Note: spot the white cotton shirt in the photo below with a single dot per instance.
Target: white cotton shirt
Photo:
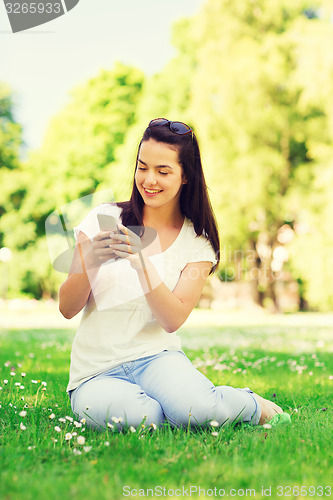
(117, 324)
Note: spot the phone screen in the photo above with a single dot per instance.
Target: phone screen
(107, 222)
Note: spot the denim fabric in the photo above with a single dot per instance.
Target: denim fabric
(165, 386)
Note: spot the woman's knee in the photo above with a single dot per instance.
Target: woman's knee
(123, 408)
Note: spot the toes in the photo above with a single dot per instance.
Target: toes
(277, 408)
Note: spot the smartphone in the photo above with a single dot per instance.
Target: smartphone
(107, 223)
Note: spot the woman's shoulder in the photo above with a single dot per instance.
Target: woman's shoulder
(198, 246)
(107, 209)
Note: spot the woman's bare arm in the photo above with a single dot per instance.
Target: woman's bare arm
(88, 255)
(171, 309)
(74, 292)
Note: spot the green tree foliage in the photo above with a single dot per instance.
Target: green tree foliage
(263, 135)
(10, 144)
(11, 193)
(312, 247)
(10, 131)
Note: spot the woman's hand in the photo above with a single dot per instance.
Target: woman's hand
(101, 250)
(128, 246)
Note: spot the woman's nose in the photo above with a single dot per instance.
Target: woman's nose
(150, 179)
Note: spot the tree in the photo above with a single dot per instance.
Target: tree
(258, 130)
(10, 169)
(10, 144)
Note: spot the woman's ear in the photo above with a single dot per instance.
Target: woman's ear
(184, 181)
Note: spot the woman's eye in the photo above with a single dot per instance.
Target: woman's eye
(143, 169)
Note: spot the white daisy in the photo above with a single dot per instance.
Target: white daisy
(81, 440)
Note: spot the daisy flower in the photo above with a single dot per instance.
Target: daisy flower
(81, 440)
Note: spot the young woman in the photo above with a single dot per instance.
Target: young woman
(127, 364)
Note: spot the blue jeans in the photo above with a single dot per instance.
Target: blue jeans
(165, 386)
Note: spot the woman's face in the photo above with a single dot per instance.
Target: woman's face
(159, 176)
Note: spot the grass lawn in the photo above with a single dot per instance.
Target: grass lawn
(288, 358)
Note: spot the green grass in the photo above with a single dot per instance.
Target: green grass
(286, 358)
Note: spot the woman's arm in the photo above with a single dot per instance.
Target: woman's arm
(171, 309)
(74, 292)
(88, 255)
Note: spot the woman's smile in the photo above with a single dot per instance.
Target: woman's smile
(151, 192)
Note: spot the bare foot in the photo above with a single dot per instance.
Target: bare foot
(268, 409)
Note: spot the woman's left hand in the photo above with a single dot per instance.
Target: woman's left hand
(128, 246)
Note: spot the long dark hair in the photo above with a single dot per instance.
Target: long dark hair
(194, 199)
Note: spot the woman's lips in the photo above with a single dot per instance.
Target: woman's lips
(151, 194)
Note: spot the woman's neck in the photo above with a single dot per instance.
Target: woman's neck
(159, 218)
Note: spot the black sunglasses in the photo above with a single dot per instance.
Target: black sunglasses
(179, 128)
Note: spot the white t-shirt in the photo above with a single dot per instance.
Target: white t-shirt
(117, 325)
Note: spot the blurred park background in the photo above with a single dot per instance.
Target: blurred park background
(255, 80)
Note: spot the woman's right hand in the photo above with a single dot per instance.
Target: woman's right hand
(88, 256)
(100, 250)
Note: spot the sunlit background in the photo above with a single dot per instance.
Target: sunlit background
(255, 80)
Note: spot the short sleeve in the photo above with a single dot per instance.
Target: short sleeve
(202, 251)
(90, 226)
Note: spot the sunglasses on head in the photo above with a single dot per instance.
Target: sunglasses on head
(179, 128)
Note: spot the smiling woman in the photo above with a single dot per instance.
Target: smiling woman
(127, 364)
